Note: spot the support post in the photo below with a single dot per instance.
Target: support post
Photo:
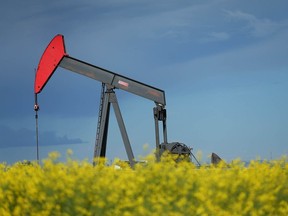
(101, 138)
(157, 137)
(164, 126)
(122, 128)
(159, 115)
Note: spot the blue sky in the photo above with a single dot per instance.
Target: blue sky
(222, 63)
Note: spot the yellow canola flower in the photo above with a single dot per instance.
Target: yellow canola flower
(164, 188)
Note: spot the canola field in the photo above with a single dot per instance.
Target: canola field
(165, 188)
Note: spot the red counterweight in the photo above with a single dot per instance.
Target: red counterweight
(49, 61)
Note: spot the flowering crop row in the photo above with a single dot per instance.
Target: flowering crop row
(166, 188)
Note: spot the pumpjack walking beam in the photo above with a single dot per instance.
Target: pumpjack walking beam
(55, 55)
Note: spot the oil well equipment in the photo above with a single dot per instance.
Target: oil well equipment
(55, 56)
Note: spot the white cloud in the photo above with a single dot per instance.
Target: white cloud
(265, 57)
(256, 27)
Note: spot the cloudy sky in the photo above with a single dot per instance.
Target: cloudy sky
(222, 63)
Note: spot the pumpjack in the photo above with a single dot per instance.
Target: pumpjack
(55, 56)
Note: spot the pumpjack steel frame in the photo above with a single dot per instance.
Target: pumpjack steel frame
(55, 56)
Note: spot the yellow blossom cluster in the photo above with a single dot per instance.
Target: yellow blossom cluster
(152, 188)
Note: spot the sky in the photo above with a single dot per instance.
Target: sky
(222, 64)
